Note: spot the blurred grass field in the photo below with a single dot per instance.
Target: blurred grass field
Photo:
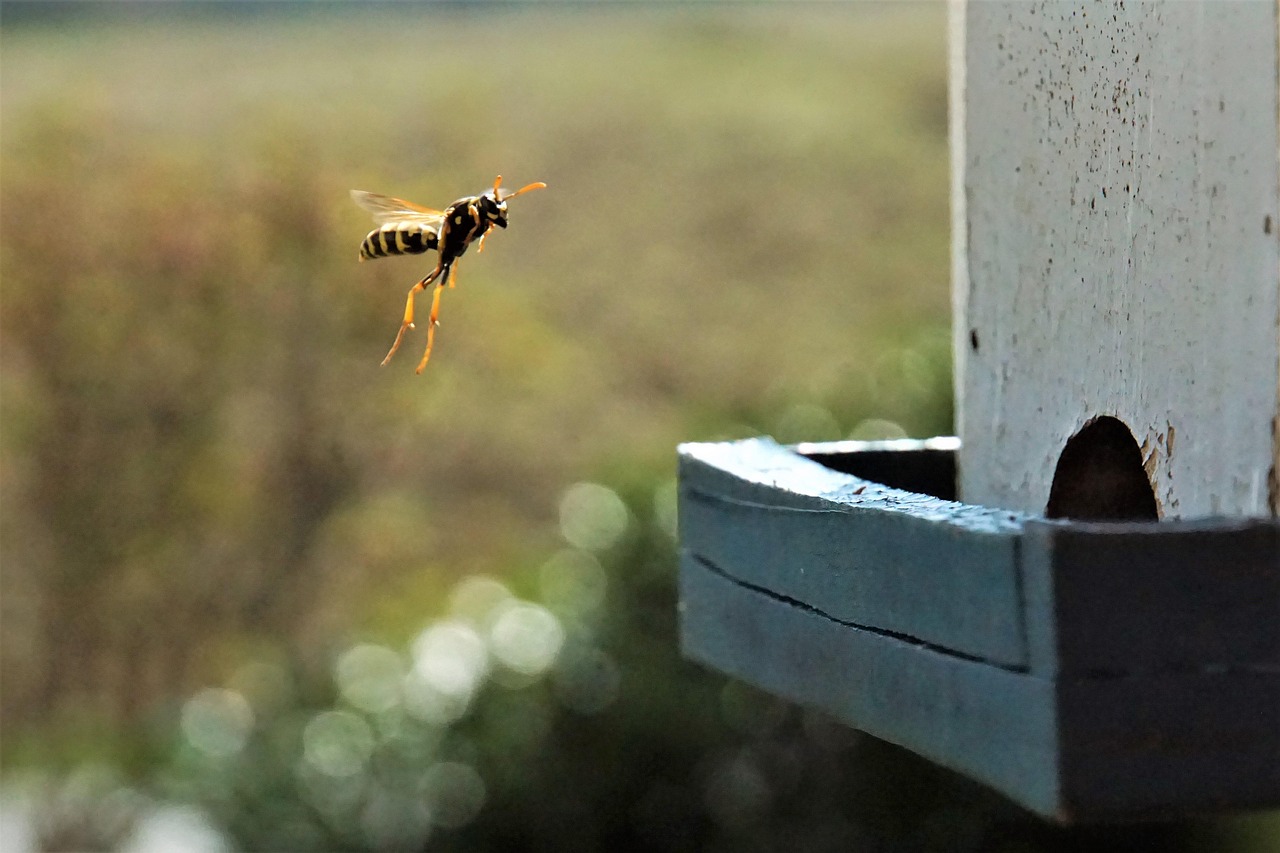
(744, 231)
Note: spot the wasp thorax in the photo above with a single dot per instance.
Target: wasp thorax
(494, 211)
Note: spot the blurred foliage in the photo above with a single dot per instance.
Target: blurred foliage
(611, 742)
(553, 712)
(207, 480)
(201, 454)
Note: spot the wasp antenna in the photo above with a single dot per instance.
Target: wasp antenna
(497, 182)
(537, 185)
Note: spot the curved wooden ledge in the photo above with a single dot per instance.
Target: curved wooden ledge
(1088, 671)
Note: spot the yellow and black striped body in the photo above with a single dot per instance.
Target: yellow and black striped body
(399, 238)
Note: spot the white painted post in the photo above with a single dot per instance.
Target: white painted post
(1116, 244)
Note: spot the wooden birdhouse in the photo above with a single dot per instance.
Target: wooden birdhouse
(1078, 601)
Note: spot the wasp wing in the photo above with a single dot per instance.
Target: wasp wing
(386, 209)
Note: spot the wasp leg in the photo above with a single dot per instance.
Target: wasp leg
(407, 324)
(487, 232)
(431, 326)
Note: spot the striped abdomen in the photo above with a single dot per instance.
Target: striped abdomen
(399, 238)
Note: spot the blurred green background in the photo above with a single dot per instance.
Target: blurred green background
(259, 593)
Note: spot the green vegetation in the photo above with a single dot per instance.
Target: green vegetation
(202, 454)
(213, 496)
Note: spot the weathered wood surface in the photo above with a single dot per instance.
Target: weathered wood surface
(1131, 599)
(1167, 743)
(1115, 671)
(749, 508)
(926, 466)
(1116, 244)
(944, 707)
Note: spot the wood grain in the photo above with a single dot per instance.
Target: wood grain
(865, 554)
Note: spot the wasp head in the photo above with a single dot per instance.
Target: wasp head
(493, 208)
(493, 203)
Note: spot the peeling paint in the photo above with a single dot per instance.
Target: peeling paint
(1109, 173)
(1149, 459)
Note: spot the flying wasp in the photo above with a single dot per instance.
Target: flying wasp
(405, 228)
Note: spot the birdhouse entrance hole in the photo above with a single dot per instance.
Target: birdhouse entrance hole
(1100, 476)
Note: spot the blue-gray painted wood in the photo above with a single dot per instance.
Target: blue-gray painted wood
(1168, 743)
(1136, 598)
(1087, 671)
(955, 586)
(946, 708)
